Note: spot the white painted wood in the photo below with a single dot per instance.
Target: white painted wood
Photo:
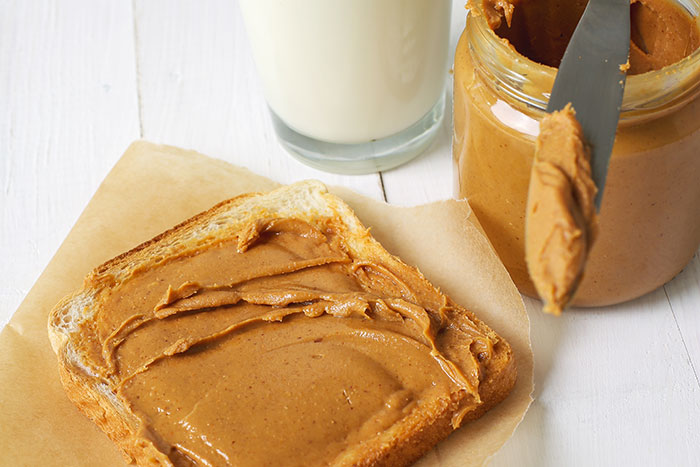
(67, 112)
(199, 89)
(683, 293)
(615, 386)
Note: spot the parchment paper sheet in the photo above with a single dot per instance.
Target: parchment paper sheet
(154, 187)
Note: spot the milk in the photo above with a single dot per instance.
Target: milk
(350, 71)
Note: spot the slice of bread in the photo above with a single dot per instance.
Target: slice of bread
(93, 389)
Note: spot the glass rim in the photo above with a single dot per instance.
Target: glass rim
(529, 82)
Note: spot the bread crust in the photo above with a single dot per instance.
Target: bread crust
(402, 444)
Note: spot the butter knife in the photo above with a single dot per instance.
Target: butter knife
(592, 77)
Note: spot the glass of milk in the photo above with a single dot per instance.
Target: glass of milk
(353, 86)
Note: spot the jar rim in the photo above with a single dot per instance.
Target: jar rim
(530, 82)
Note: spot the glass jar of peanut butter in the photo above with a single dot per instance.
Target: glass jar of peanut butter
(649, 223)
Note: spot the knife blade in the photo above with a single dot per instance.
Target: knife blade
(592, 78)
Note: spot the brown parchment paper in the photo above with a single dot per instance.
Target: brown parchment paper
(154, 187)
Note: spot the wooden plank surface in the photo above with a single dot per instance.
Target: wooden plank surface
(614, 387)
(68, 109)
(683, 294)
(80, 79)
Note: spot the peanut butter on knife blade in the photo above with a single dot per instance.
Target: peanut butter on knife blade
(561, 218)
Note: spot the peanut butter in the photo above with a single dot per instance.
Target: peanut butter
(278, 348)
(661, 33)
(561, 218)
(649, 223)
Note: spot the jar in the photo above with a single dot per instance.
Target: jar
(649, 221)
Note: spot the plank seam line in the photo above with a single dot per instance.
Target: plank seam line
(675, 320)
(137, 67)
(381, 184)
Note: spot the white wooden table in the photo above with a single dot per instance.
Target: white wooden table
(81, 79)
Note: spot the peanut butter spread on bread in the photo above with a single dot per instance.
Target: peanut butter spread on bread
(278, 346)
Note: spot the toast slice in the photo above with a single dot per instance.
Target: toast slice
(273, 329)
